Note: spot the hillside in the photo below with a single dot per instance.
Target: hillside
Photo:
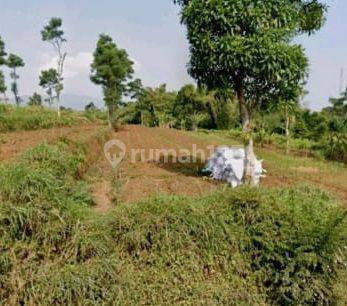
(76, 231)
(136, 181)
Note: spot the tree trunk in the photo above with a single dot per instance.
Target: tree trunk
(287, 131)
(112, 116)
(249, 165)
(213, 114)
(58, 104)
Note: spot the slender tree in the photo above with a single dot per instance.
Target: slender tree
(3, 54)
(246, 46)
(53, 34)
(112, 69)
(49, 80)
(14, 62)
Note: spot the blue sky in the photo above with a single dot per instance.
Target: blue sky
(151, 33)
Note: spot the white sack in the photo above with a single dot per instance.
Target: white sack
(227, 164)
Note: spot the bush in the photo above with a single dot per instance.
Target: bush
(336, 147)
(291, 240)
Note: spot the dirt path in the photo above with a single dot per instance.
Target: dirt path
(14, 143)
(141, 176)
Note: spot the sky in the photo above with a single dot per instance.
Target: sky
(151, 33)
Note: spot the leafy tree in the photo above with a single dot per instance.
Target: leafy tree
(35, 100)
(14, 62)
(112, 69)
(338, 106)
(246, 46)
(3, 54)
(49, 80)
(189, 107)
(156, 106)
(135, 89)
(53, 34)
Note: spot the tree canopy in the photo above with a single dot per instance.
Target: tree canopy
(112, 69)
(2, 52)
(35, 100)
(49, 80)
(14, 62)
(246, 46)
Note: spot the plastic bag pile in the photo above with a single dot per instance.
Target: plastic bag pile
(228, 164)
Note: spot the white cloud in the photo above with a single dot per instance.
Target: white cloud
(75, 65)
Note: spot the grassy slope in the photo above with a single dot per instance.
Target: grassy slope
(33, 118)
(232, 247)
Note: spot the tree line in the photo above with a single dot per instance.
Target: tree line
(50, 80)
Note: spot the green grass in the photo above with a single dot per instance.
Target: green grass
(34, 118)
(328, 175)
(235, 247)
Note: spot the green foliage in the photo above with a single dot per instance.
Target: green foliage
(49, 80)
(2, 52)
(190, 108)
(35, 100)
(336, 147)
(34, 118)
(52, 32)
(3, 87)
(245, 45)
(112, 69)
(14, 62)
(291, 242)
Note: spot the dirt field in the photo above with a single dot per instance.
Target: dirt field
(135, 181)
(132, 181)
(14, 143)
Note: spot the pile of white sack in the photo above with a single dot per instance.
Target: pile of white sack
(228, 164)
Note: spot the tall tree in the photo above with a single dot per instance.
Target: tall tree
(246, 46)
(53, 34)
(49, 80)
(14, 62)
(112, 69)
(3, 54)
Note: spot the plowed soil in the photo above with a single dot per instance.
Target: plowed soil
(135, 179)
